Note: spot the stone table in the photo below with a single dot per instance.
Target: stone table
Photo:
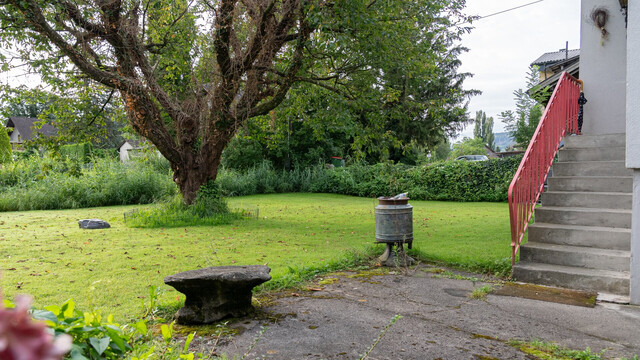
(216, 292)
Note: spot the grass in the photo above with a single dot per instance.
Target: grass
(551, 351)
(45, 254)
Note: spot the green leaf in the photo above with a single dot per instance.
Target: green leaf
(167, 332)
(44, 315)
(54, 309)
(100, 344)
(117, 339)
(77, 353)
(67, 308)
(141, 327)
(187, 342)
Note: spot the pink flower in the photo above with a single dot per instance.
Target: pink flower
(22, 338)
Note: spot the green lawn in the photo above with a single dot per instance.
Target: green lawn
(46, 255)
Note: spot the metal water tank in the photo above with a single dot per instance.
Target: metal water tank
(394, 221)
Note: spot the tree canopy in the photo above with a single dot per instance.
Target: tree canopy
(484, 129)
(522, 122)
(191, 73)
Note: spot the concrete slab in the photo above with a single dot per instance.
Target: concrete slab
(439, 320)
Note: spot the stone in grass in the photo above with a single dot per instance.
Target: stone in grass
(216, 292)
(93, 224)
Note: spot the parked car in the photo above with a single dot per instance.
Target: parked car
(473, 158)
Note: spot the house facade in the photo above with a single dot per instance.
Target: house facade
(586, 233)
(23, 129)
(609, 59)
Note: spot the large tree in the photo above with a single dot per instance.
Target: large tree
(191, 73)
(484, 129)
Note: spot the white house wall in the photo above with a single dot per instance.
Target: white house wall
(603, 69)
(124, 151)
(633, 140)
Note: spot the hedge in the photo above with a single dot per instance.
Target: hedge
(446, 181)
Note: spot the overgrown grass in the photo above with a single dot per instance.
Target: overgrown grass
(45, 254)
(54, 183)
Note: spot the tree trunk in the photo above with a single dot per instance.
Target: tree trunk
(195, 170)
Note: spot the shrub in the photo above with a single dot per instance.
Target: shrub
(445, 181)
(209, 208)
(78, 152)
(52, 183)
(5, 147)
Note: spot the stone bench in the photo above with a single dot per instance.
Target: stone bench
(216, 292)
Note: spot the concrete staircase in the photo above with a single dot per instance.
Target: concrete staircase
(582, 232)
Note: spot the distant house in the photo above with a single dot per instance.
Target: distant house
(23, 129)
(129, 148)
(552, 64)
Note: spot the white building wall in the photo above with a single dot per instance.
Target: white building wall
(603, 69)
(633, 140)
(124, 151)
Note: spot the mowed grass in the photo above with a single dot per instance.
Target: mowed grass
(46, 255)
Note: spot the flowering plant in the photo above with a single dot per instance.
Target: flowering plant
(23, 338)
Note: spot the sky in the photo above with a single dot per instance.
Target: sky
(502, 47)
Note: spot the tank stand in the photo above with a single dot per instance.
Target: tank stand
(397, 257)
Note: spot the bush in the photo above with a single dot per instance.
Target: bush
(5, 147)
(78, 152)
(446, 181)
(52, 183)
(209, 208)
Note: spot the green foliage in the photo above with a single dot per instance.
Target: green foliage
(209, 209)
(81, 111)
(468, 146)
(5, 147)
(79, 152)
(484, 129)
(93, 338)
(551, 351)
(446, 181)
(49, 182)
(523, 122)
(480, 293)
(380, 75)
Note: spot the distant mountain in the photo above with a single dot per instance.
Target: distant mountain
(503, 140)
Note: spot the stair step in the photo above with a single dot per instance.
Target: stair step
(578, 256)
(615, 218)
(580, 235)
(592, 154)
(614, 282)
(623, 184)
(595, 141)
(605, 200)
(591, 168)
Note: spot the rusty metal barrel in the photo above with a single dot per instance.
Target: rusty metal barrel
(394, 221)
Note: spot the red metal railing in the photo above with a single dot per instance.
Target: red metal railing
(559, 118)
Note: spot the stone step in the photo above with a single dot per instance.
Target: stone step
(621, 184)
(591, 168)
(580, 235)
(614, 282)
(584, 216)
(604, 200)
(578, 256)
(592, 154)
(595, 141)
